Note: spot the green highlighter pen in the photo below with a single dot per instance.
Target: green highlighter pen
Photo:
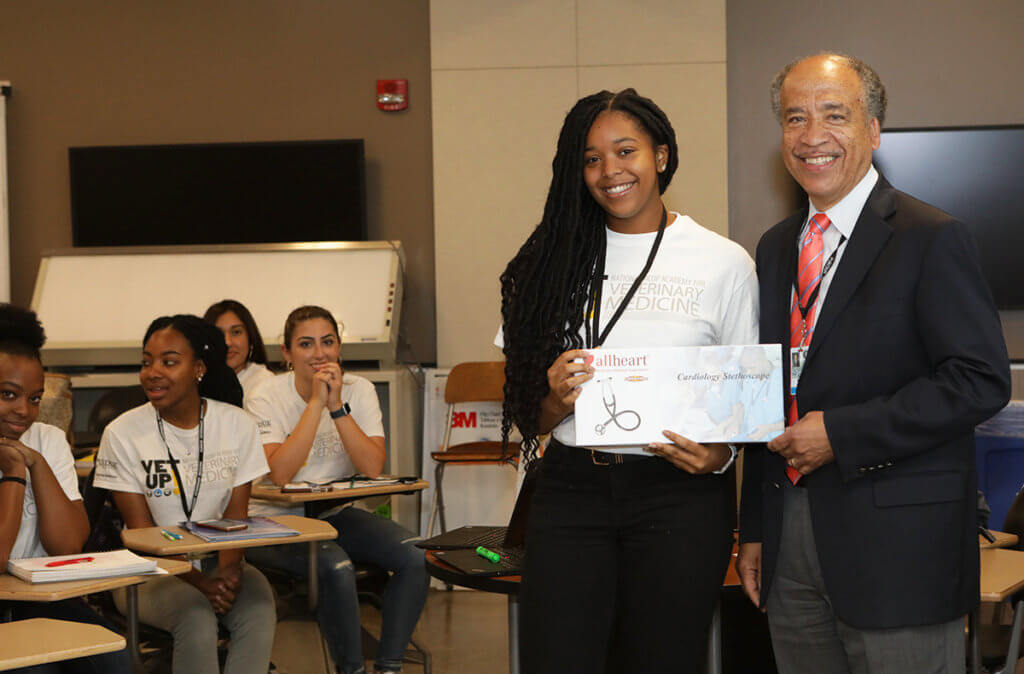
(488, 554)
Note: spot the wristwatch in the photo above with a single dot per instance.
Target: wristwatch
(344, 411)
(728, 464)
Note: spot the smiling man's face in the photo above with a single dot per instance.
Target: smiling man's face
(827, 136)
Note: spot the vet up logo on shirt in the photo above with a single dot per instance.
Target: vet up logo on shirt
(159, 477)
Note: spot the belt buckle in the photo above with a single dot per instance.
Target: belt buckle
(614, 458)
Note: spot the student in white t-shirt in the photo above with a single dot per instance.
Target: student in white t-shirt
(626, 547)
(246, 355)
(318, 423)
(190, 453)
(41, 511)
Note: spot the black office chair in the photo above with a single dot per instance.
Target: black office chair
(112, 404)
(155, 645)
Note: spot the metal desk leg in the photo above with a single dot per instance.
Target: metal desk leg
(1013, 651)
(314, 577)
(132, 637)
(715, 642)
(972, 631)
(513, 633)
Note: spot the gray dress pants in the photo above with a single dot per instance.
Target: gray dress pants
(808, 637)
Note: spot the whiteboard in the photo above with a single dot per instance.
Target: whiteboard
(96, 303)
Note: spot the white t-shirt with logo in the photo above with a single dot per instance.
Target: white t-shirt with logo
(278, 407)
(53, 445)
(133, 458)
(252, 375)
(701, 290)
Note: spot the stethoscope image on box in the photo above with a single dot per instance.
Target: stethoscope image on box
(627, 420)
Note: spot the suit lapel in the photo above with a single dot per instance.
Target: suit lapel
(869, 236)
(785, 273)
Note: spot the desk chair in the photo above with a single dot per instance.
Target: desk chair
(468, 383)
(105, 526)
(156, 646)
(112, 404)
(1001, 644)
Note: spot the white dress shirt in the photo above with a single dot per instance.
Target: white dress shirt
(844, 217)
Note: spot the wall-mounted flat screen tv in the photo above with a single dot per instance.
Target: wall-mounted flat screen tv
(267, 192)
(977, 175)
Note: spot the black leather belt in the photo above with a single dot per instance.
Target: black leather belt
(596, 457)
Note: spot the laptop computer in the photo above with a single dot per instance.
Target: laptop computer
(509, 542)
(466, 537)
(470, 563)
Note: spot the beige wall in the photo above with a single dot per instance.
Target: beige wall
(943, 62)
(131, 72)
(504, 75)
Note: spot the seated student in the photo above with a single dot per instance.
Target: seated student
(246, 355)
(319, 423)
(41, 512)
(190, 454)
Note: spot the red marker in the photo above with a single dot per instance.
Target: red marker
(76, 560)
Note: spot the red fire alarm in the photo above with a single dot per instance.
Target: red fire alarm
(392, 95)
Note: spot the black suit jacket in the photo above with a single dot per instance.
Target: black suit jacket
(907, 357)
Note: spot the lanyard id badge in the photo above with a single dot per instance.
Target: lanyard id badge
(797, 357)
(594, 336)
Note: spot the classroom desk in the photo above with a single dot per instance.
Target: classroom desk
(1003, 540)
(152, 541)
(16, 589)
(272, 492)
(38, 641)
(1002, 575)
(507, 585)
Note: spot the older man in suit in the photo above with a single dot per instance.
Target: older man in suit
(858, 526)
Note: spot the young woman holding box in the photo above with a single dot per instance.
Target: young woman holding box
(626, 548)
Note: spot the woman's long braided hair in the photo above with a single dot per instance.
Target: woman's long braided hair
(544, 289)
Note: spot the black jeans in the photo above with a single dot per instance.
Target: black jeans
(623, 565)
(74, 610)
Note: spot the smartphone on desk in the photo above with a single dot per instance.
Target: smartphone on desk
(223, 524)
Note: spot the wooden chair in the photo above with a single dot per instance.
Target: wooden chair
(468, 383)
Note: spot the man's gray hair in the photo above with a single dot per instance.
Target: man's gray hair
(873, 92)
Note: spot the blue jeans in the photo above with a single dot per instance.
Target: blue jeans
(362, 537)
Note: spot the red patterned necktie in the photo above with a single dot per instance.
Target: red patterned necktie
(808, 278)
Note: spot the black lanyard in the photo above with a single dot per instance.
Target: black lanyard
(598, 285)
(174, 464)
(825, 268)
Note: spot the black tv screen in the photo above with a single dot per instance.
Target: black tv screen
(218, 193)
(976, 175)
